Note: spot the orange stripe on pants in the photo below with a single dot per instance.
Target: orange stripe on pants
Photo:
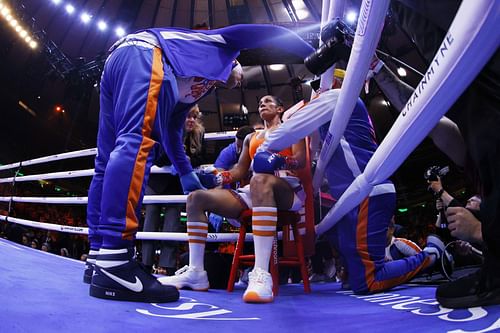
(155, 84)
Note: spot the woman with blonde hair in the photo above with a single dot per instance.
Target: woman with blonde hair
(194, 133)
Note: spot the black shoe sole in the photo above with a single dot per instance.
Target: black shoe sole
(126, 295)
(490, 298)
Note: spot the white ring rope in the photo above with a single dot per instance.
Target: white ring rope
(330, 9)
(87, 172)
(462, 54)
(148, 199)
(370, 24)
(93, 151)
(170, 236)
(51, 158)
(70, 174)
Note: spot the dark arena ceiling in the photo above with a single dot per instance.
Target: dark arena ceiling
(64, 70)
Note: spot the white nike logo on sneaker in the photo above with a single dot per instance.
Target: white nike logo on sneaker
(136, 286)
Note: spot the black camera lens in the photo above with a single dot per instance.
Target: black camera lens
(327, 55)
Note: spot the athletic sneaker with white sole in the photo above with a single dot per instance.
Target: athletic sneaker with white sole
(187, 277)
(118, 276)
(260, 287)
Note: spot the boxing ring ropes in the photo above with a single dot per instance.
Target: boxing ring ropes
(148, 199)
(464, 51)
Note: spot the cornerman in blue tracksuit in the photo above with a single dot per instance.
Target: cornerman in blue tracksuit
(150, 80)
(360, 236)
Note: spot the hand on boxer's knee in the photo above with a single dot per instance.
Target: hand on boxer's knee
(190, 182)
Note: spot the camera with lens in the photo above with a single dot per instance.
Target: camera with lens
(432, 173)
(337, 37)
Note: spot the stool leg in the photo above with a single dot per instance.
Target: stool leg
(236, 257)
(273, 267)
(302, 260)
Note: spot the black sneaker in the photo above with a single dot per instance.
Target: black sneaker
(89, 266)
(129, 282)
(477, 289)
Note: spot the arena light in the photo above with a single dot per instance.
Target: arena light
(5, 11)
(56, 2)
(120, 31)
(16, 25)
(70, 9)
(302, 14)
(102, 25)
(85, 17)
(351, 17)
(401, 71)
(300, 9)
(276, 67)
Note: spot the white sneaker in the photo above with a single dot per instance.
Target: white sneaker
(187, 277)
(260, 287)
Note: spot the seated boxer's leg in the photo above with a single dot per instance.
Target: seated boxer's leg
(269, 194)
(219, 201)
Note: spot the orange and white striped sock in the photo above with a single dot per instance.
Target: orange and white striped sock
(197, 236)
(264, 221)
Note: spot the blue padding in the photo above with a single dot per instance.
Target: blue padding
(40, 292)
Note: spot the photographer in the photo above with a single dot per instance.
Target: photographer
(462, 222)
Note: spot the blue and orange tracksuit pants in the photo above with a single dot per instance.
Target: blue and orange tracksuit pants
(138, 92)
(361, 237)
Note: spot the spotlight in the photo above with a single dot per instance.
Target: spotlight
(351, 17)
(28, 39)
(69, 9)
(14, 23)
(85, 17)
(102, 25)
(33, 44)
(120, 31)
(56, 2)
(401, 71)
(276, 67)
(23, 33)
(301, 13)
(18, 28)
(5, 11)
